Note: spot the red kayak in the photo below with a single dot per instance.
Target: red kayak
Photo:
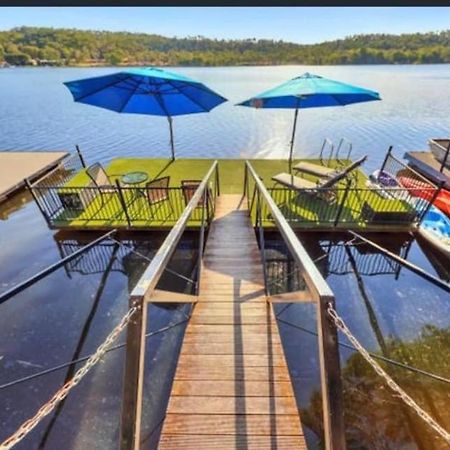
(419, 188)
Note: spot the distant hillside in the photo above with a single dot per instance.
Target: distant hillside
(50, 46)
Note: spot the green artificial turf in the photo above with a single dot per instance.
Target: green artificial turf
(361, 206)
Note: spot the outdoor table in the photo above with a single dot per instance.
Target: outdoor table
(135, 179)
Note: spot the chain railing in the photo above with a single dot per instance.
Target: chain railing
(203, 199)
(340, 324)
(62, 393)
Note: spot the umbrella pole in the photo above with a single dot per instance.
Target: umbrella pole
(172, 145)
(291, 152)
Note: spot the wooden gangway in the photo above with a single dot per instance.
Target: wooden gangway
(232, 387)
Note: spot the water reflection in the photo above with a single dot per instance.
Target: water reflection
(65, 317)
(395, 314)
(13, 204)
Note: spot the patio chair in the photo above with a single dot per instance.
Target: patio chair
(322, 186)
(100, 178)
(158, 192)
(189, 187)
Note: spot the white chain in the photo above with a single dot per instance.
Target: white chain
(48, 407)
(389, 381)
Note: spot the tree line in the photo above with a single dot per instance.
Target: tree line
(71, 47)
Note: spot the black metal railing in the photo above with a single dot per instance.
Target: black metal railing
(344, 206)
(349, 206)
(118, 206)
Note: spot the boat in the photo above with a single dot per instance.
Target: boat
(435, 229)
(428, 166)
(440, 148)
(383, 178)
(419, 188)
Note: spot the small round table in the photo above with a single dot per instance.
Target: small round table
(134, 178)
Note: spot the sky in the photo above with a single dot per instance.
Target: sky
(294, 24)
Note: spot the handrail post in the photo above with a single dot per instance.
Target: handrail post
(201, 245)
(341, 206)
(41, 209)
(130, 428)
(245, 182)
(259, 224)
(80, 155)
(330, 377)
(217, 180)
(122, 201)
(445, 159)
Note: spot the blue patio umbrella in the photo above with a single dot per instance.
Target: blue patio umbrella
(150, 91)
(310, 91)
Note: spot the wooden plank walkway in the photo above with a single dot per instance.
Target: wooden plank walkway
(16, 166)
(232, 388)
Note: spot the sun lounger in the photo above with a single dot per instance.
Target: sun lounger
(315, 169)
(294, 182)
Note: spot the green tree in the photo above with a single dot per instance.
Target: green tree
(17, 59)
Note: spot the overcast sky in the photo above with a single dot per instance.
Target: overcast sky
(295, 24)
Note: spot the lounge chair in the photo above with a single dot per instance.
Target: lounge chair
(158, 191)
(321, 170)
(293, 182)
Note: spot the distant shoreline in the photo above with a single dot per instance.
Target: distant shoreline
(35, 46)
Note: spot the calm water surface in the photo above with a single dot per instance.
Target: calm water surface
(37, 112)
(392, 311)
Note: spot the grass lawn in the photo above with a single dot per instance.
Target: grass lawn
(361, 206)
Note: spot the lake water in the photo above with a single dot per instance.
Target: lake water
(392, 311)
(37, 113)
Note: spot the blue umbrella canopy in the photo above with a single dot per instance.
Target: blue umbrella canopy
(149, 91)
(310, 91)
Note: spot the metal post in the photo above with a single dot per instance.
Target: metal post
(172, 145)
(293, 140)
(341, 206)
(259, 223)
(330, 377)
(245, 181)
(134, 377)
(122, 201)
(83, 163)
(388, 154)
(436, 193)
(201, 245)
(444, 161)
(41, 209)
(217, 180)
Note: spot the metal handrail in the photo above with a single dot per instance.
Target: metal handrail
(321, 292)
(50, 269)
(140, 297)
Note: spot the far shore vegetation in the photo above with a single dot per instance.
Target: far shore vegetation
(69, 47)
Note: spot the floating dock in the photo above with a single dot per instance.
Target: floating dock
(232, 387)
(16, 166)
(72, 200)
(428, 165)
